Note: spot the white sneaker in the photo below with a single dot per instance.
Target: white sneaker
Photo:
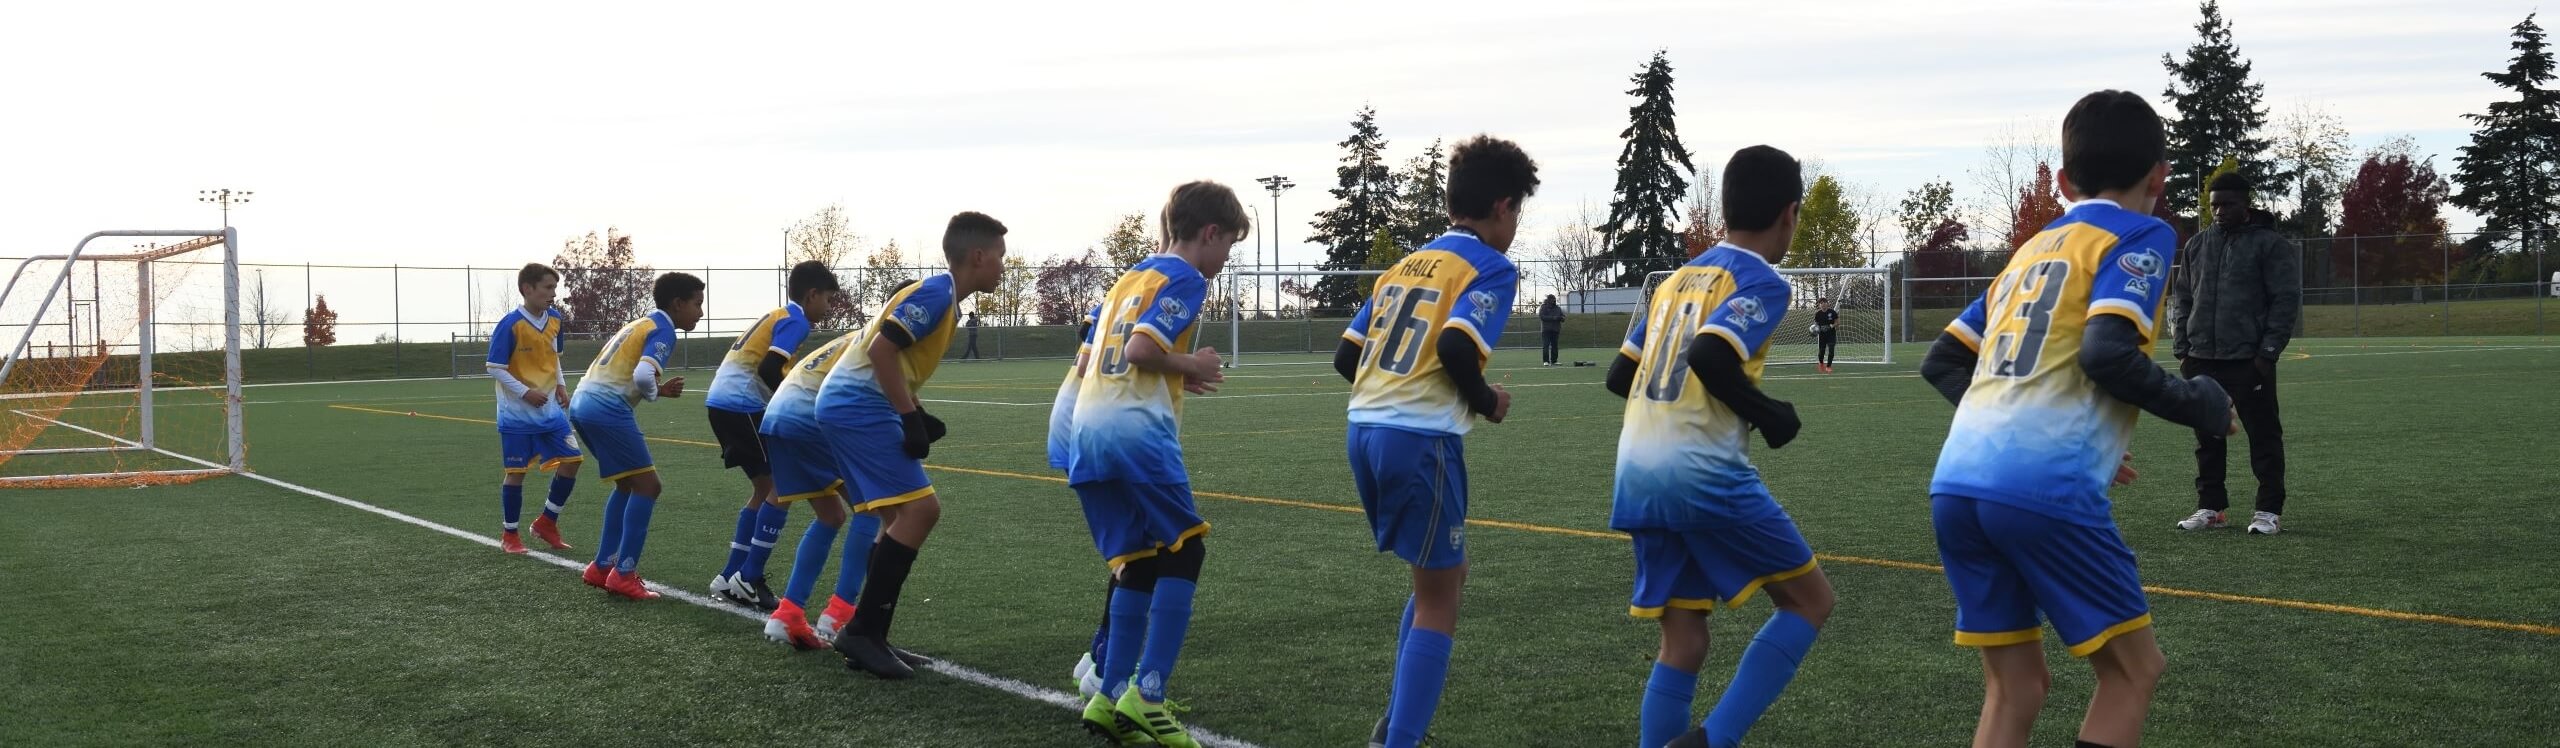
(2204, 519)
(2264, 523)
(1088, 676)
(732, 588)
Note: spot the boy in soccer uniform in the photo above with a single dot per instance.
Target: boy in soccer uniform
(2046, 372)
(533, 427)
(803, 470)
(1706, 530)
(879, 434)
(736, 402)
(1125, 460)
(625, 373)
(1415, 356)
(1062, 411)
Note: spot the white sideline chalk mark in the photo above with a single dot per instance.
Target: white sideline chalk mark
(946, 667)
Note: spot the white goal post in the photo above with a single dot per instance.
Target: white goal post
(38, 386)
(1281, 326)
(1862, 296)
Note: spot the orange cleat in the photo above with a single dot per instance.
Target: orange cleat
(831, 621)
(628, 586)
(790, 625)
(549, 532)
(595, 575)
(509, 543)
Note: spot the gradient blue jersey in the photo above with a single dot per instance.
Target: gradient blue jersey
(1456, 283)
(793, 411)
(528, 348)
(1684, 458)
(735, 386)
(2034, 431)
(1128, 421)
(608, 389)
(926, 313)
(1062, 411)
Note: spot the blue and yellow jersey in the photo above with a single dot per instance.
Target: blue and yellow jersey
(1062, 410)
(2034, 431)
(528, 348)
(607, 388)
(1456, 283)
(1684, 458)
(1127, 420)
(927, 313)
(735, 386)
(793, 411)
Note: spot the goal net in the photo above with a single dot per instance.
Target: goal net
(1862, 296)
(124, 362)
(1280, 316)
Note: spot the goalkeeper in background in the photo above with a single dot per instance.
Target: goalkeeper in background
(1826, 333)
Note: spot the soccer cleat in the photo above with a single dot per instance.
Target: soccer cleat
(628, 586)
(831, 621)
(724, 590)
(1696, 737)
(790, 625)
(1378, 734)
(1109, 724)
(872, 654)
(595, 575)
(2203, 519)
(510, 543)
(1088, 677)
(549, 532)
(1154, 721)
(759, 596)
(2264, 523)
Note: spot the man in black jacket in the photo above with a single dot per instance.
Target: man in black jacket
(2235, 304)
(1550, 329)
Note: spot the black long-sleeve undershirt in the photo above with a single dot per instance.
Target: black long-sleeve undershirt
(770, 370)
(1718, 368)
(1458, 358)
(2111, 355)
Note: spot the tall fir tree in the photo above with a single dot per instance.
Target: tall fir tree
(1422, 202)
(1644, 213)
(2219, 113)
(1365, 195)
(2507, 174)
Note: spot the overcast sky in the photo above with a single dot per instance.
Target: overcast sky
(485, 133)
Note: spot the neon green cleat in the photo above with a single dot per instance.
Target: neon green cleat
(1106, 723)
(1155, 722)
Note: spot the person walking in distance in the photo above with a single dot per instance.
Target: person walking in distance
(2235, 303)
(1550, 329)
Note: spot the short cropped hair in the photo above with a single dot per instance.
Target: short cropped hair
(968, 231)
(2233, 181)
(1759, 183)
(1483, 170)
(1202, 204)
(2111, 140)
(675, 287)
(533, 273)
(812, 275)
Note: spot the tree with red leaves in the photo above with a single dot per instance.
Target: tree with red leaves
(320, 324)
(1068, 289)
(2394, 208)
(2039, 205)
(602, 284)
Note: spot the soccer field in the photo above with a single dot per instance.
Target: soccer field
(2410, 600)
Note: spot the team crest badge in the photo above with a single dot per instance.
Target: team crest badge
(912, 316)
(1172, 307)
(2143, 264)
(1745, 311)
(1484, 303)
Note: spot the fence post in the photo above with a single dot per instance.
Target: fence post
(395, 321)
(2355, 280)
(2444, 284)
(310, 353)
(2540, 291)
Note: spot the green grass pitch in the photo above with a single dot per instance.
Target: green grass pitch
(2409, 602)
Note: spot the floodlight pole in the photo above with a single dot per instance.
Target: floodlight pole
(225, 198)
(1276, 184)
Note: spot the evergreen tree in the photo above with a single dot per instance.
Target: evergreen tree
(1366, 195)
(1644, 212)
(2507, 173)
(1422, 207)
(2219, 114)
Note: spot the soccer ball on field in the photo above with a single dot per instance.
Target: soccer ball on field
(1813, 329)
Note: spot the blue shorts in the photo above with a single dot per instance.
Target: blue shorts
(619, 449)
(2007, 564)
(872, 458)
(1131, 521)
(549, 450)
(1696, 569)
(802, 469)
(1413, 487)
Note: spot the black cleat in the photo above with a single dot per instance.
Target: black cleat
(1378, 734)
(872, 655)
(1696, 737)
(912, 659)
(758, 594)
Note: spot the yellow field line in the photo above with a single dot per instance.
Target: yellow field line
(2393, 615)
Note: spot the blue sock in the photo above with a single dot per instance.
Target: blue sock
(609, 544)
(768, 531)
(1767, 665)
(1404, 629)
(809, 562)
(510, 504)
(559, 499)
(1422, 668)
(857, 556)
(635, 531)
(1667, 699)
(1168, 622)
(738, 541)
(1128, 634)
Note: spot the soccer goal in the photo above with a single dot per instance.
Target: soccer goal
(1276, 317)
(125, 366)
(1863, 296)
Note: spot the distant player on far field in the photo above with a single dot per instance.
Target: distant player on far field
(2046, 372)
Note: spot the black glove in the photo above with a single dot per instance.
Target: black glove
(933, 428)
(1786, 426)
(918, 440)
